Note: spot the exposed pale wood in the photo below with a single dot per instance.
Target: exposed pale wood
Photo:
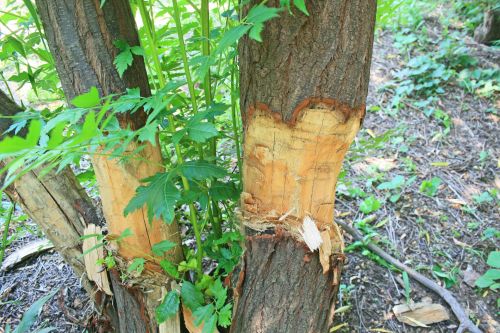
(420, 314)
(118, 183)
(295, 168)
(95, 272)
(25, 252)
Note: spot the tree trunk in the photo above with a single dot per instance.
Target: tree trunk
(303, 92)
(80, 35)
(62, 209)
(489, 30)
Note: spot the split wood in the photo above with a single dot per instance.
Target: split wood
(463, 318)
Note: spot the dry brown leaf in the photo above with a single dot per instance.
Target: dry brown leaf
(470, 276)
(420, 314)
(457, 122)
(382, 164)
(457, 202)
(470, 191)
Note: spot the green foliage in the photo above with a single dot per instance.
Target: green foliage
(168, 307)
(31, 315)
(369, 205)
(160, 196)
(450, 278)
(126, 56)
(430, 187)
(491, 278)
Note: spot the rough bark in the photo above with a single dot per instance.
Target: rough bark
(303, 92)
(489, 30)
(80, 35)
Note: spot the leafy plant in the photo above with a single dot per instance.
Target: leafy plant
(491, 278)
(31, 315)
(430, 187)
(369, 205)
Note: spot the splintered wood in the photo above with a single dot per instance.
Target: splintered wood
(294, 168)
(94, 252)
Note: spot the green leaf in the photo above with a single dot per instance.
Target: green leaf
(137, 50)
(137, 265)
(148, 133)
(123, 60)
(202, 313)
(201, 170)
(494, 259)
(32, 313)
(12, 45)
(261, 14)
(87, 100)
(220, 191)
(369, 205)
(56, 136)
(160, 196)
(201, 131)
(169, 268)
(209, 326)
(15, 144)
(218, 291)
(191, 297)
(168, 308)
(406, 281)
(430, 187)
(225, 315)
(231, 37)
(301, 5)
(255, 32)
(160, 248)
(488, 278)
(395, 183)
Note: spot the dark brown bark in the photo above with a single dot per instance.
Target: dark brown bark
(303, 59)
(489, 30)
(303, 92)
(276, 297)
(81, 37)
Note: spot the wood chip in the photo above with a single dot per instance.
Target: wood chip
(420, 314)
(95, 272)
(26, 251)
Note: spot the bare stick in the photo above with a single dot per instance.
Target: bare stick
(463, 318)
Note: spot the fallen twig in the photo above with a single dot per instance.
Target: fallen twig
(463, 318)
(33, 248)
